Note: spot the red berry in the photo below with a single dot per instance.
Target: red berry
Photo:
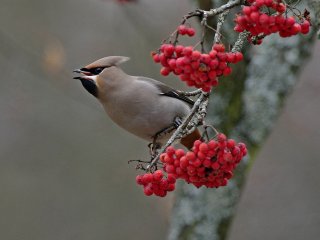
(187, 51)
(238, 28)
(254, 16)
(268, 3)
(172, 63)
(165, 71)
(246, 10)
(227, 71)
(238, 56)
(157, 175)
(190, 156)
(296, 28)
(162, 157)
(156, 58)
(203, 147)
(280, 20)
(281, 8)
(305, 27)
(171, 187)
(231, 143)
(212, 75)
(212, 144)
(215, 165)
(139, 180)
(213, 53)
(259, 3)
(207, 163)
(182, 29)
(241, 20)
(171, 178)
(219, 47)
(195, 65)
(195, 55)
(170, 169)
(168, 50)
(178, 49)
(191, 32)
(290, 21)
(222, 137)
(231, 57)
(148, 190)
(222, 65)
(222, 56)
(147, 178)
(163, 184)
(197, 163)
(264, 19)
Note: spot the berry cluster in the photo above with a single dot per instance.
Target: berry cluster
(185, 30)
(197, 69)
(209, 164)
(261, 24)
(155, 183)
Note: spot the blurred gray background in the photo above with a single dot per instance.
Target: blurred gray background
(63, 163)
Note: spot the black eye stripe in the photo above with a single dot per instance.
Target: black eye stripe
(94, 71)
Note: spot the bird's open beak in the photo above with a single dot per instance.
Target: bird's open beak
(83, 71)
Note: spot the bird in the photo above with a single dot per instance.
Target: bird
(143, 106)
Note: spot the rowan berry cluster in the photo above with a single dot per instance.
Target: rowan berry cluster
(156, 183)
(261, 23)
(209, 164)
(185, 30)
(197, 69)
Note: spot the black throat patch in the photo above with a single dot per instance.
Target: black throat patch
(90, 86)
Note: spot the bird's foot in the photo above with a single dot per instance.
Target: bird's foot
(153, 148)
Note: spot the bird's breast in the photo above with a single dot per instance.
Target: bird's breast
(143, 111)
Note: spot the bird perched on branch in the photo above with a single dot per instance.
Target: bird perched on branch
(143, 106)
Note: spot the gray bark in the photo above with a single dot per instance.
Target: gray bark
(244, 108)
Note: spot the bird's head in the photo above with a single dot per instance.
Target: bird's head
(92, 71)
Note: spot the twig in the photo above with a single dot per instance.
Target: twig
(221, 19)
(223, 8)
(184, 19)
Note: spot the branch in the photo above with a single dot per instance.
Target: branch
(223, 8)
(240, 41)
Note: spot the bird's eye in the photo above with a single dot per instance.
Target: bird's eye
(97, 71)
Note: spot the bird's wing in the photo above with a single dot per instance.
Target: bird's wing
(167, 91)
